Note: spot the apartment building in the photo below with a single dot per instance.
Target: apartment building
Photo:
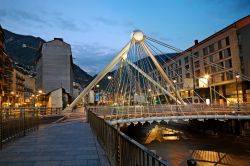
(220, 62)
(6, 74)
(18, 87)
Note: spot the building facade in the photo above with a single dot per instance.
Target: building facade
(54, 67)
(29, 90)
(220, 62)
(6, 74)
(18, 88)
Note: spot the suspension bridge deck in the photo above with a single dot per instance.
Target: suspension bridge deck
(135, 114)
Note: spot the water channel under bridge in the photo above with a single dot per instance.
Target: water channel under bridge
(135, 114)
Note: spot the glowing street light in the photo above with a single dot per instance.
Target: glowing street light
(109, 77)
(97, 85)
(175, 83)
(137, 36)
(207, 77)
(40, 91)
(237, 90)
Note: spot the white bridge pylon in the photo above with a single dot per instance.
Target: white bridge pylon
(137, 38)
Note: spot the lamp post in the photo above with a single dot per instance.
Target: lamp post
(40, 93)
(237, 91)
(175, 83)
(113, 93)
(97, 93)
(210, 90)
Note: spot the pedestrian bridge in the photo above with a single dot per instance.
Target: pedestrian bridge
(137, 87)
(134, 114)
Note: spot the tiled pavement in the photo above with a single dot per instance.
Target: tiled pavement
(69, 143)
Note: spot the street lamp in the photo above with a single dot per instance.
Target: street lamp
(175, 83)
(210, 90)
(39, 98)
(109, 77)
(237, 92)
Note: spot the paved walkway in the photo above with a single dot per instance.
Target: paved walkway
(67, 143)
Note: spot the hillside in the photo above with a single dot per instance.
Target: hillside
(26, 56)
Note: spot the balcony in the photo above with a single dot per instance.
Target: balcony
(7, 89)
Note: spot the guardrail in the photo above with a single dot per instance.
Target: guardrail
(16, 122)
(126, 112)
(120, 149)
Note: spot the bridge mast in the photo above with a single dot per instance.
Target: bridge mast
(100, 76)
(138, 37)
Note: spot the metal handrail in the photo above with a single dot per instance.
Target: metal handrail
(121, 149)
(17, 121)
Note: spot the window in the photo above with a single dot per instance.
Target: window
(219, 44)
(222, 76)
(186, 59)
(205, 51)
(227, 52)
(197, 73)
(180, 62)
(197, 64)
(196, 55)
(187, 67)
(228, 63)
(211, 48)
(222, 64)
(188, 75)
(211, 58)
(220, 55)
(227, 41)
(229, 76)
(205, 62)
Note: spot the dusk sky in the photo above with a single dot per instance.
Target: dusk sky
(98, 29)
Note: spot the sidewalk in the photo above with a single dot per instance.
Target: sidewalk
(67, 143)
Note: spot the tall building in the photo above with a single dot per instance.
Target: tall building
(18, 88)
(54, 67)
(6, 74)
(29, 90)
(220, 61)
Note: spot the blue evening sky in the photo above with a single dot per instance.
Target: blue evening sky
(98, 29)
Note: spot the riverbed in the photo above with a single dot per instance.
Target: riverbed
(176, 146)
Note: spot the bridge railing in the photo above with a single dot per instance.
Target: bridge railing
(16, 122)
(120, 149)
(124, 112)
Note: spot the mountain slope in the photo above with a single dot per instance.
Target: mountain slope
(26, 56)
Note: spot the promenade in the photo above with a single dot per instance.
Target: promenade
(70, 142)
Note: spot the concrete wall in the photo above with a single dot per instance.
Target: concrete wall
(55, 99)
(55, 67)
